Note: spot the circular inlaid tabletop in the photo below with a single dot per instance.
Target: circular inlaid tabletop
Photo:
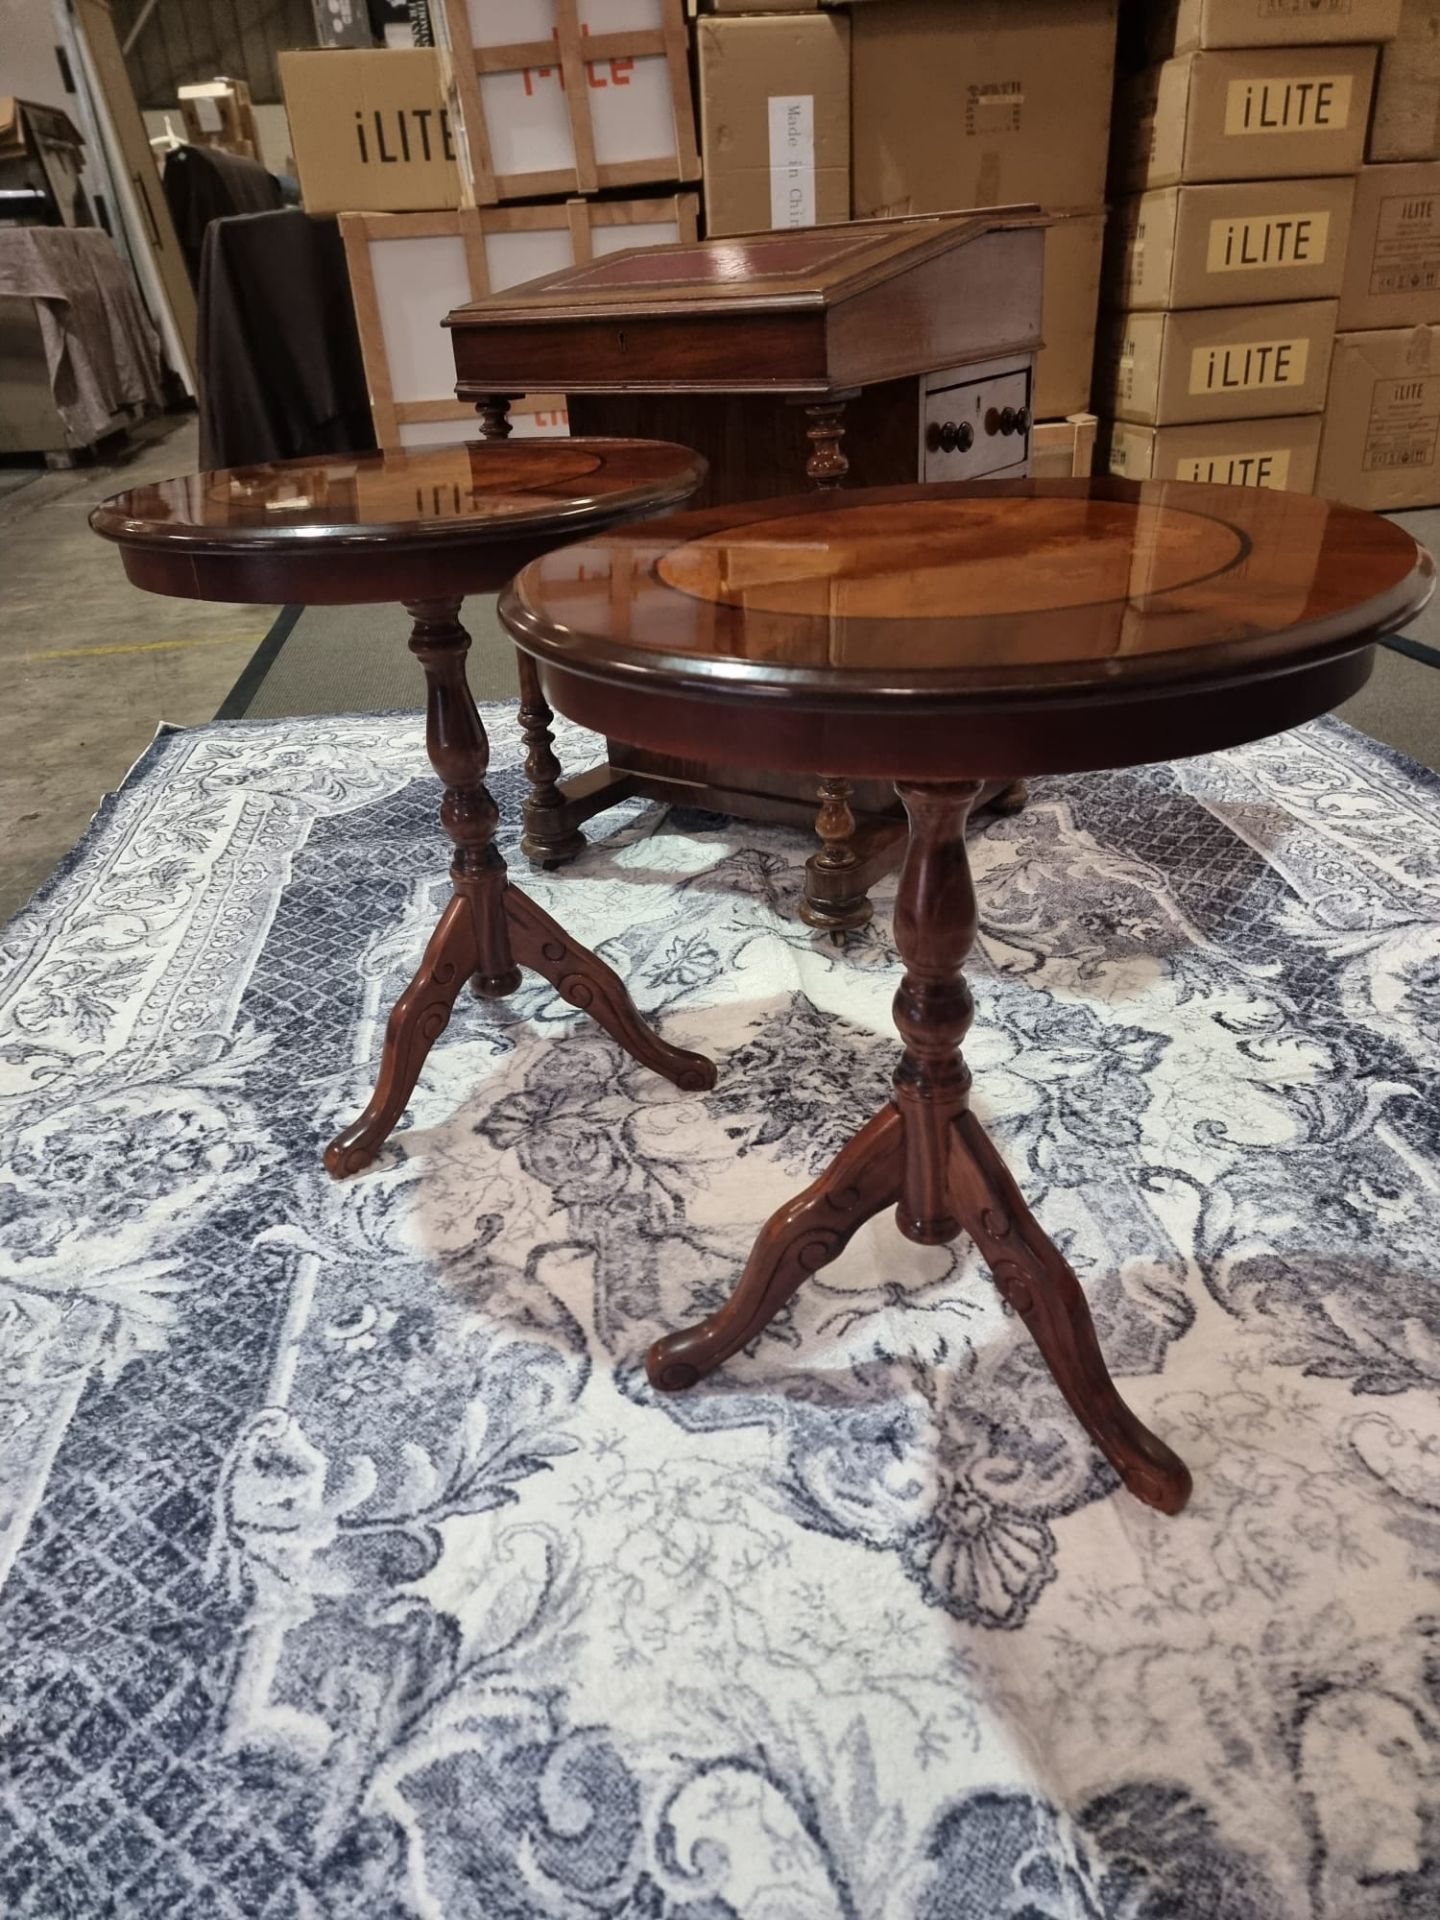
(271, 531)
(472, 490)
(903, 604)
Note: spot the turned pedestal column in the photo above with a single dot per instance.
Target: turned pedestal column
(490, 929)
(927, 1155)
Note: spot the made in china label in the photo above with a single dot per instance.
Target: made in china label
(1248, 365)
(1318, 105)
(994, 106)
(1404, 424)
(1268, 469)
(1407, 245)
(1267, 240)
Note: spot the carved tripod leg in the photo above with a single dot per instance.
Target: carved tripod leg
(472, 938)
(1040, 1285)
(548, 839)
(416, 1022)
(583, 978)
(953, 1177)
(832, 900)
(1011, 799)
(807, 1233)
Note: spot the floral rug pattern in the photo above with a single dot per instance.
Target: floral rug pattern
(349, 1567)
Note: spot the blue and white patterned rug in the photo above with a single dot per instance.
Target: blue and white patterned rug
(350, 1569)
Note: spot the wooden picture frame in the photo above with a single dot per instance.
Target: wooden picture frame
(409, 364)
(577, 64)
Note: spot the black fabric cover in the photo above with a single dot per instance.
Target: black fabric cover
(280, 372)
(203, 184)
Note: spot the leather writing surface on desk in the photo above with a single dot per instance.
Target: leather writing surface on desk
(721, 264)
(815, 266)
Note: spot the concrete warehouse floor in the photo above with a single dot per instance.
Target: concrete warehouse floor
(90, 665)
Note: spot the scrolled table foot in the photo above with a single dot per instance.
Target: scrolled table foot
(668, 1364)
(583, 978)
(1041, 1286)
(1011, 799)
(345, 1157)
(800, 1238)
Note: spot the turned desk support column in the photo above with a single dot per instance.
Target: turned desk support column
(841, 907)
(826, 465)
(494, 412)
(547, 839)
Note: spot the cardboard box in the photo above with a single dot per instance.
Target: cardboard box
(1392, 271)
(1074, 244)
(218, 113)
(1405, 121)
(1184, 26)
(1268, 113)
(1278, 453)
(1219, 363)
(1381, 445)
(980, 105)
(1223, 246)
(370, 130)
(774, 121)
(1063, 449)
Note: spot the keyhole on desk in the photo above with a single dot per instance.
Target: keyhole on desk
(620, 338)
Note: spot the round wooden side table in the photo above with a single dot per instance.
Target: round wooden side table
(940, 637)
(424, 526)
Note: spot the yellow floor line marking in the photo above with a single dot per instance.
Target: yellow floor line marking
(145, 646)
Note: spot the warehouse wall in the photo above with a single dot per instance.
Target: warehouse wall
(186, 40)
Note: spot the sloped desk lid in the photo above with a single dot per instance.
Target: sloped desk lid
(810, 267)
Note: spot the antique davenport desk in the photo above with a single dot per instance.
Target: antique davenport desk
(882, 352)
(939, 637)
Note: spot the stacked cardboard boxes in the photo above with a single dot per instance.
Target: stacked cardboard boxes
(774, 118)
(534, 138)
(1234, 163)
(990, 103)
(1381, 442)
